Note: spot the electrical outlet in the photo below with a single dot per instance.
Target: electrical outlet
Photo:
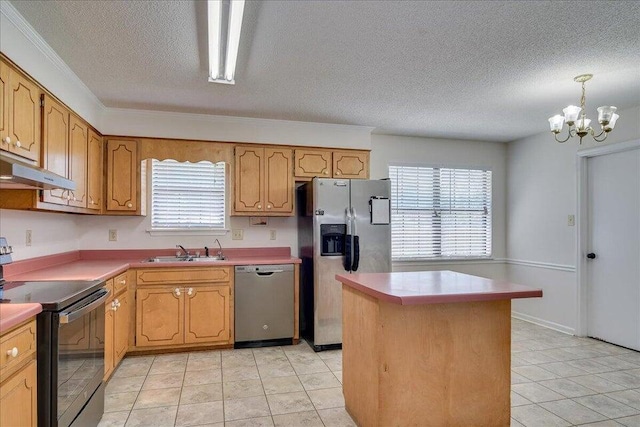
(29, 237)
(571, 220)
(272, 234)
(113, 235)
(237, 234)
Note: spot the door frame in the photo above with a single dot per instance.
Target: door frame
(582, 235)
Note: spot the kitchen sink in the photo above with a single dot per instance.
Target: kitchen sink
(185, 259)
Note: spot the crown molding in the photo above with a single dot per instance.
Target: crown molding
(11, 13)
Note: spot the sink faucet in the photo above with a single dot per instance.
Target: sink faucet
(186, 252)
(220, 254)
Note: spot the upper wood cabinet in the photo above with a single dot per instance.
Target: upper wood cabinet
(310, 163)
(64, 151)
(263, 181)
(94, 171)
(122, 176)
(55, 146)
(19, 114)
(351, 164)
(78, 149)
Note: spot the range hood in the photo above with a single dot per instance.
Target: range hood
(15, 174)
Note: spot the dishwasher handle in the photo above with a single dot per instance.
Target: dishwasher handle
(268, 273)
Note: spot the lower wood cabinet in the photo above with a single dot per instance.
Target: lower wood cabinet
(174, 315)
(179, 307)
(18, 406)
(18, 389)
(116, 324)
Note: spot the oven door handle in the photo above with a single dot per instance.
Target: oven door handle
(70, 316)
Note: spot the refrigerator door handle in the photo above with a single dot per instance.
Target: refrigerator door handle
(355, 242)
(348, 244)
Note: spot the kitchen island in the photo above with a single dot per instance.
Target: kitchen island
(428, 348)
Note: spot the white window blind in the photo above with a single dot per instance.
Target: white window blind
(187, 195)
(440, 212)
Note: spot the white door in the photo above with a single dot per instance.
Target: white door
(613, 310)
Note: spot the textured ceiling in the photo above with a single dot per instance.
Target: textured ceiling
(486, 70)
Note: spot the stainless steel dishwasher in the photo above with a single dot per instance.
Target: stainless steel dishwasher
(263, 305)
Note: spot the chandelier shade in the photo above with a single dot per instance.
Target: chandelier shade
(576, 119)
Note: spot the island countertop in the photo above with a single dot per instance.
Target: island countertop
(434, 287)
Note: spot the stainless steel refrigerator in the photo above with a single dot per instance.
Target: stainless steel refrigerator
(343, 226)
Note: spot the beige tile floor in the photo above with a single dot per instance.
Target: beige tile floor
(557, 380)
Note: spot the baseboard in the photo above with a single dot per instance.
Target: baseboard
(541, 322)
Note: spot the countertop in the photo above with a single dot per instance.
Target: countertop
(104, 264)
(100, 265)
(433, 287)
(14, 314)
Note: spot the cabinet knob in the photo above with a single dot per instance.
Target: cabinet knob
(259, 206)
(114, 307)
(123, 282)
(13, 352)
(325, 172)
(190, 291)
(129, 205)
(177, 292)
(18, 144)
(337, 172)
(268, 206)
(7, 140)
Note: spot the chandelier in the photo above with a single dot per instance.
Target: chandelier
(576, 118)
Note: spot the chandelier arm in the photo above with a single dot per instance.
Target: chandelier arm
(595, 137)
(555, 135)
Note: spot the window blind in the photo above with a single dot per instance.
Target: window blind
(440, 212)
(187, 195)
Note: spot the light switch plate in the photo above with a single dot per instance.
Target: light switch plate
(113, 235)
(29, 238)
(571, 220)
(272, 234)
(237, 234)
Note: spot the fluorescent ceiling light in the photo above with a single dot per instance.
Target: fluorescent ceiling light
(225, 24)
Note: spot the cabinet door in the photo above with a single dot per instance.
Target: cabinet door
(351, 164)
(279, 185)
(122, 175)
(94, 171)
(109, 322)
(207, 314)
(55, 146)
(312, 163)
(4, 106)
(121, 328)
(18, 398)
(24, 116)
(249, 185)
(78, 137)
(159, 316)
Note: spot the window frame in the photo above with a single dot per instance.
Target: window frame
(187, 231)
(447, 259)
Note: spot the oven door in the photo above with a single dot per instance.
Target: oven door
(80, 359)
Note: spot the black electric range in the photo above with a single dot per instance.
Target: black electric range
(70, 345)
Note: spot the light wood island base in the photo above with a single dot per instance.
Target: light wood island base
(427, 348)
(426, 365)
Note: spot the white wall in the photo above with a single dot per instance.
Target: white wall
(388, 149)
(541, 193)
(51, 233)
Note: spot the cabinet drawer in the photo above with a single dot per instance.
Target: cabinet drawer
(186, 275)
(23, 339)
(120, 283)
